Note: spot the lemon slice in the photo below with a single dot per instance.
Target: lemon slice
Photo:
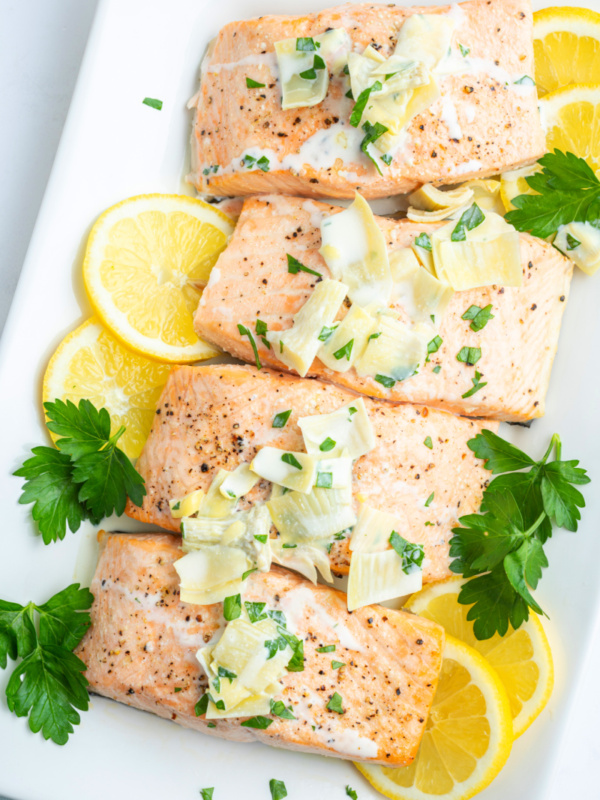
(513, 184)
(467, 739)
(146, 263)
(571, 117)
(566, 46)
(522, 658)
(90, 363)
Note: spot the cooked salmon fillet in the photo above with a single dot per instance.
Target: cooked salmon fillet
(483, 122)
(141, 650)
(251, 281)
(215, 417)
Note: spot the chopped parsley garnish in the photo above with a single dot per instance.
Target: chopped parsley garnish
(464, 50)
(290, 458)
(176, 506)
(437, 369)
(259, 722)
(349, 94)
(247, 332)
(255, 611)
(324, 480)
(352, 410)
(248, 161)
(260, 327)
(328, 648)
(232, 607)
(211, 725)
(305, 44)
(278, 790)
(279, 709)
(337, 664)
(85, 477)
(207, 794)
(326, 333)
(469, 355)
(572, 242)
(48, 684)
(311, 74)
(411, 554)
(226, 673)
(429, 500)
(424, 241)
(434, 345)
(202, 705)
(177, 689)
(479, 316)
(386, 381)
(294, 266)
(567, 191)
(428, 443)
(374, 336)
(525, 81)
(261, 537)
(288, 546)
(327, 445)
(335, 704)
(372, 133)
(279, 420)
(252, 84)
(345, 351)
(208, 170)
(351, 793)
(248, 572)
(477, 385)
(470, 219)
(153, 103)
(387, 159)
(263, 164)
(501, 548)
(361, 103)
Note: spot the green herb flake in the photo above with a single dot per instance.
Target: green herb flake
(248, 161)
(202, 705)
(232, 607)
(345, 351)
(255, 611)
(428, 443)
(526, 80)
(349, 94)
(374, 336)
(470, 219)
(464, 51)
(337, 664)
(326, 333)
(278, 790)
(279, 709)
(361, 103)
(294, 267)
(336, 704)
(328, 648)
(424, 241)
(572, 242)
(309, 74)
(290, 458)
(386, 381)
(260, 327)
(226, 673)
(288, 546)
(387, 159)
(352, 410)
(263, 164)
(305, 44)
(153, 103)
(479, 316)
(372, 133)
(260, 723)
(177, 689)
(429, 500)
(324, 480)
(247, 332)
(411, 554)
(469, 355)
(248, 572)
(327, 445)
(252, 84)
(261, 537)
(211, 725)
(437, 369)
(280, 419)
(477, 385)
(207, 794)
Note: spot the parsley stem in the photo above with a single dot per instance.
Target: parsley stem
(554, 442)
(114, 439)
(535, 525)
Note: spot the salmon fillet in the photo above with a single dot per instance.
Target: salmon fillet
(483, 122)
(251, 281)
(218, 416)
(141, 650)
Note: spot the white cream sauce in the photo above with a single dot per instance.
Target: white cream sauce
(449, 117)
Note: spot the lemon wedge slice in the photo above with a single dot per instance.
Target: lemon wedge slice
(147, 261)
(522, 658)
(571, 120)
(566, 46)
(90, 363)
(467, 739)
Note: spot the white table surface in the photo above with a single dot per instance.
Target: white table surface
(41, 47)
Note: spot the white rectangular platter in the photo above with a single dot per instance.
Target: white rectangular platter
(113, 147)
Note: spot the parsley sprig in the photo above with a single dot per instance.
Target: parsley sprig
(567, 191)
(48, 685)
(501, 549)
(87, 477)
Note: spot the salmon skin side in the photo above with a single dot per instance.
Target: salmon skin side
(216, 417)
(483, 123)
(251, 281)
(141, 650)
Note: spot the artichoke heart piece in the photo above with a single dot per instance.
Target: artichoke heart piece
(580, 241)
(355, 251)
(303, 82)
(302, 518)
(200, 531)
(426, 38)
(335, 46)
(489, 254)
(513, 183)
(334, 473)
(376, 577)
(239, 482)
(215, 504)
(290, 469)
(486, 193)
(211, 573)
(297, 346)
(346, 431)
(252, 706)
(188, 505)
(396, 352)
(429, 204)
(373, 529)
(419, 292)
(303, 558)
(348, 341)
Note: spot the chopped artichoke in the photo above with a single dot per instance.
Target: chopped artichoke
(258, 524)
(513, 184)
(215, 504)
(303, 75)
(334, 473)
(425, 38)
(487, 195)
(297, 346)
(490, 254)
(348, 341)
(292, 470)
(372, 531)
(252, 706)
(345, 431)
(305, 518)
(376, 577)
(396, 352)
(429, 198)
(580, 241)
(424, 254)
(419, 292)
(239, 482)
(200, 531)
(188, 505)
(211, 573)
(355, 251)
(336, 44)
(303, 558)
